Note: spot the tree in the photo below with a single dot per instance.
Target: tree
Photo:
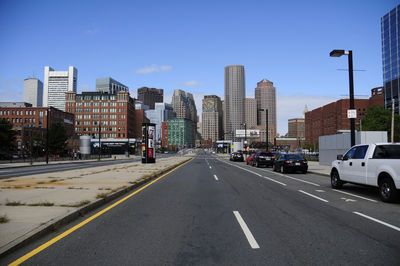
(7, 136)
(380, 119)
(57, 139)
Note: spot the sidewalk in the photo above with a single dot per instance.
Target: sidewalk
(316, 168)
(31, 206)
(28, 163)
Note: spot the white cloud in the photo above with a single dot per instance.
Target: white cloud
(293, 106)
(153, 69)
(11, 90)
(190, 83)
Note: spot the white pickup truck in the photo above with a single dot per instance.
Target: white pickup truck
(370, 164)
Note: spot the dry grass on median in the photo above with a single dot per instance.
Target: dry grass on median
(4, 219)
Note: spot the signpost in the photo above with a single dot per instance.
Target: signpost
(148, 143)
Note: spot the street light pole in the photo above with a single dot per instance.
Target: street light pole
(266, 125)
(338, 53)
(99, 141)
(47, 135)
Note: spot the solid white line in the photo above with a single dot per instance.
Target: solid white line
(354, 195)
(270, 179)
(252, 241)
(311, 195)
(378, 221)
(300, 180)
(210, 167)
(216, 178)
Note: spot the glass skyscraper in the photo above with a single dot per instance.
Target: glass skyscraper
(391, 57)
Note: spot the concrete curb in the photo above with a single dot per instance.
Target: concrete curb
(52, 226)
(321, 174)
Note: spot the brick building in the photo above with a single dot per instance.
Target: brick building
(330, 118)
(28, 121)
(164, 134)
(114, 112)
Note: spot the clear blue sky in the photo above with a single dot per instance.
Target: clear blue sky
(186, 44)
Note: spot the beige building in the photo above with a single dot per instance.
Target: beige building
(296, 128)
(265, 94)
(250, 107)
(212, 128)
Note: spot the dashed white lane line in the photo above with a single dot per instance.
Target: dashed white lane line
(252, 241)
(270, 179)
(378, 221)
(216, 178)
(347, 193)
(311, 195)
(209, 166)
(300, 180)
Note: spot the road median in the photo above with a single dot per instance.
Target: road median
(36, 205)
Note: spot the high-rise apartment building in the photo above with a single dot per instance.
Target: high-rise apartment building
(33, 92)
(110, 85)
(250, 107)
(391, 57)
(234, 95)
(296, 128)
(180, 104)
(212, 118)
(56, 84)
(265, 94)
(150, 96)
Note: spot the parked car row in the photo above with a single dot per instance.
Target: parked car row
(279, 162)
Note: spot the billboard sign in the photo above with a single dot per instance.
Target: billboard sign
(148, 147)
(250, 133)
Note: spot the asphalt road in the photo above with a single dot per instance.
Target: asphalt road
(50, 168)
(215, 212)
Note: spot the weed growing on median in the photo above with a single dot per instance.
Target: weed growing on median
(15, 203)
(4, 219)
(45, 204)
(79, 204)
(102, 195)
(45, 187)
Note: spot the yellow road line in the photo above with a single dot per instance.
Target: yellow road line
(61, 236)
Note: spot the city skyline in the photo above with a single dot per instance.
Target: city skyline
(289, 48)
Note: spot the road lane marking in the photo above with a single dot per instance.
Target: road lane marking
(76, 227)
(209, 166)
(311, 195)
(320, 190)
(216, 178)
(378, 221)
(297, 179)
(252, 241)
(270, 179)
(347, 193)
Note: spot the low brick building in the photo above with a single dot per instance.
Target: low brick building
(330, 118)
(28, 121)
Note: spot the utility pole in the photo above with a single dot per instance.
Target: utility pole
(99, 141)
(47, 135)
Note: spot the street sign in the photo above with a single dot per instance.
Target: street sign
(352, 113)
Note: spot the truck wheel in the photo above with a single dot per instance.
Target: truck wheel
(336, 183)
(387, 190)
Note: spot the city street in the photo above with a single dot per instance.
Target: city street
(212, 211)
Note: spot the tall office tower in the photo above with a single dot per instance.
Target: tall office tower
(266, 99)
(192, 107)
(234, 94)
(33, 92)
(150, 96)
(56, 84)
(109, 85)
(296, 128)
(250, 107)
(180, 104)
(212, 118)
(391, 57)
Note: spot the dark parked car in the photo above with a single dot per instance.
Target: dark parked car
(263, 158)
(237, 156)
(290, 162)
